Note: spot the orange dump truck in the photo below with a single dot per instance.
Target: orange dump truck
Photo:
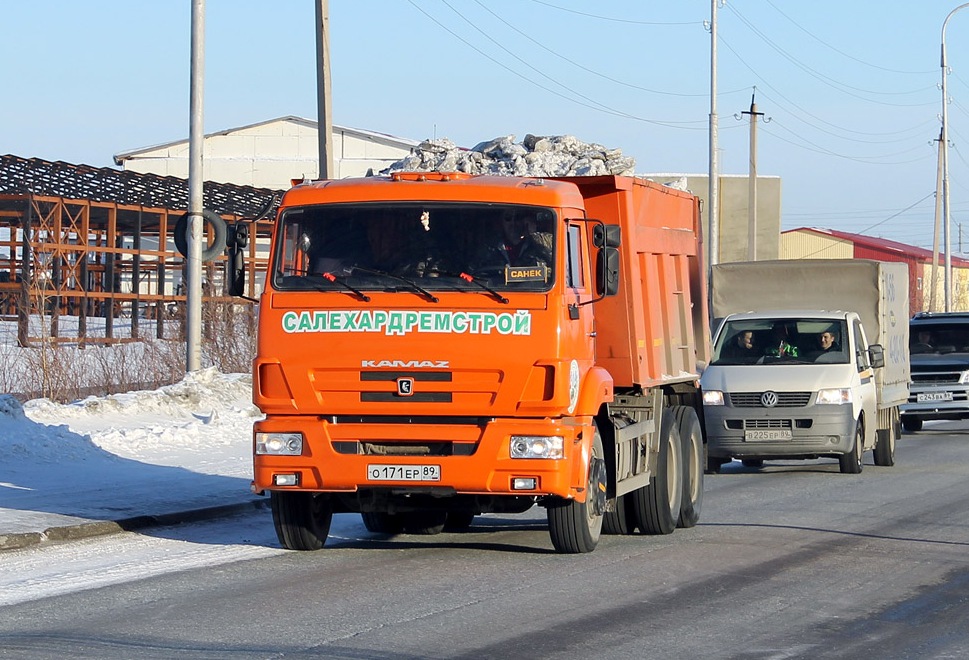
(435, 346)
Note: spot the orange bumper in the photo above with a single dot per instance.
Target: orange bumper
(478, 460)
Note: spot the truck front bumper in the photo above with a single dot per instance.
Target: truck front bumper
(938, 402)
(809, 431)
(451, 456)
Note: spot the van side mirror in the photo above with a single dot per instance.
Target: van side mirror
(876, 353)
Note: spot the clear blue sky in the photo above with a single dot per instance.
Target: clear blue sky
(851, 88)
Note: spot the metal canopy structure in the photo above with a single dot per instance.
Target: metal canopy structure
(98, 242)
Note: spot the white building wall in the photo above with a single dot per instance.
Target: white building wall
(271, 154)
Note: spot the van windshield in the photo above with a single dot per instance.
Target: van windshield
(439, 247)
(781, 341)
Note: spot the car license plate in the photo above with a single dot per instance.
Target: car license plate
(923, 397)
(767, 434)
(403, 472)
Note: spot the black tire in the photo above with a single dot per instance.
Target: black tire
(622, 520)
(885, 445)
(911, 424)
(458, 521)
(714, 463)
(302, 520)
(691, 435)
(210, 252)
(427, 523)
(851, 463)
(753, 462)
(575, 527)
(657, 506)
(380, 522)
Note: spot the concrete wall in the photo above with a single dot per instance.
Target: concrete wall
(734, 215)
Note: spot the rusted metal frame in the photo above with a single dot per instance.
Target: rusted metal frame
(23, 311)
(109, 271)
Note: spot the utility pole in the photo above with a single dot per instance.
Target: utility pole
(945, 166)
(323, 107)
(935, 236)
(193, 272)
(752, 181)
(713, 197)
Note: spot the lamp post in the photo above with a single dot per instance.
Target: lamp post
(945, 167)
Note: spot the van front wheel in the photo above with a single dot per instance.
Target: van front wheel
(851, 463)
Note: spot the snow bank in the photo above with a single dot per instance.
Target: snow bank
(561, 155)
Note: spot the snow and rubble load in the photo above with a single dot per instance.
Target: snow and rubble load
(562, 155)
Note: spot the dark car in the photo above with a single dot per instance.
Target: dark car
(939, 348)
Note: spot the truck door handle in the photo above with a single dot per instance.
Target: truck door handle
(593, 334)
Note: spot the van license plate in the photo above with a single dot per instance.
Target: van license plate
(768, 434)
(403, 472)
(923, 397)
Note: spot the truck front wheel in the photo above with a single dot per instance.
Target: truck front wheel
(302, 520)
(851, 463)
(657, 505)
(574, 527)
(911, 424)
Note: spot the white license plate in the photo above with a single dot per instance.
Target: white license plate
(403, 472)
(768, 434)
(923, 397)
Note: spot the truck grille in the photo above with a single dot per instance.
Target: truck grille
(784, 399)
(936, 378)
(767, 424)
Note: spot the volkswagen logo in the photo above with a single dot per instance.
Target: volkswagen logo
(768, 399)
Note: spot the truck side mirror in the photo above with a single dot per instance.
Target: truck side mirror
(876, 354)
(607, 271)
(235, 267)
(606, 235)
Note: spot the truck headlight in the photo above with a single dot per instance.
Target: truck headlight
(279, 444)
(537, 446)
(834, 395)
(964, 378)
(712, 398)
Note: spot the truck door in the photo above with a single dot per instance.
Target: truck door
(579, 283)
(866, 387)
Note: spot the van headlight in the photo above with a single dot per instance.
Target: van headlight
(834, 395)
(279, 444)
(537, 446)
(712, 398)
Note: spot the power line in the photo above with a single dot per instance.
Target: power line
(608, 18)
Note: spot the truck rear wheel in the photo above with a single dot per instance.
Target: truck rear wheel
(427, 523)
(380, 522)
(851, 463)
(688, 425)
(657, 506)
(574, 527)
(302, 520)
(885, 446)
(622, 520)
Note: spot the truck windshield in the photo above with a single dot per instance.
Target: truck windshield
(939, 337)
(438, 247)
(781, 341)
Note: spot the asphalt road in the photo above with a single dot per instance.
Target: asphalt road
(794, 560)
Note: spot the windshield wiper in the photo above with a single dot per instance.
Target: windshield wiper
(470, 279)
(412, 284)
(336, 279)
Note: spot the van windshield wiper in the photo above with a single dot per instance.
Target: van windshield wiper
(411, 283)
(336, 279)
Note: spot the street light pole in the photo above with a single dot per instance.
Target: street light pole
(945, 167)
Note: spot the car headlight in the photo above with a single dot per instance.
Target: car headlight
(712, 398)
(834, 395)
(964, 378)
(537, 446)
(279, 444)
